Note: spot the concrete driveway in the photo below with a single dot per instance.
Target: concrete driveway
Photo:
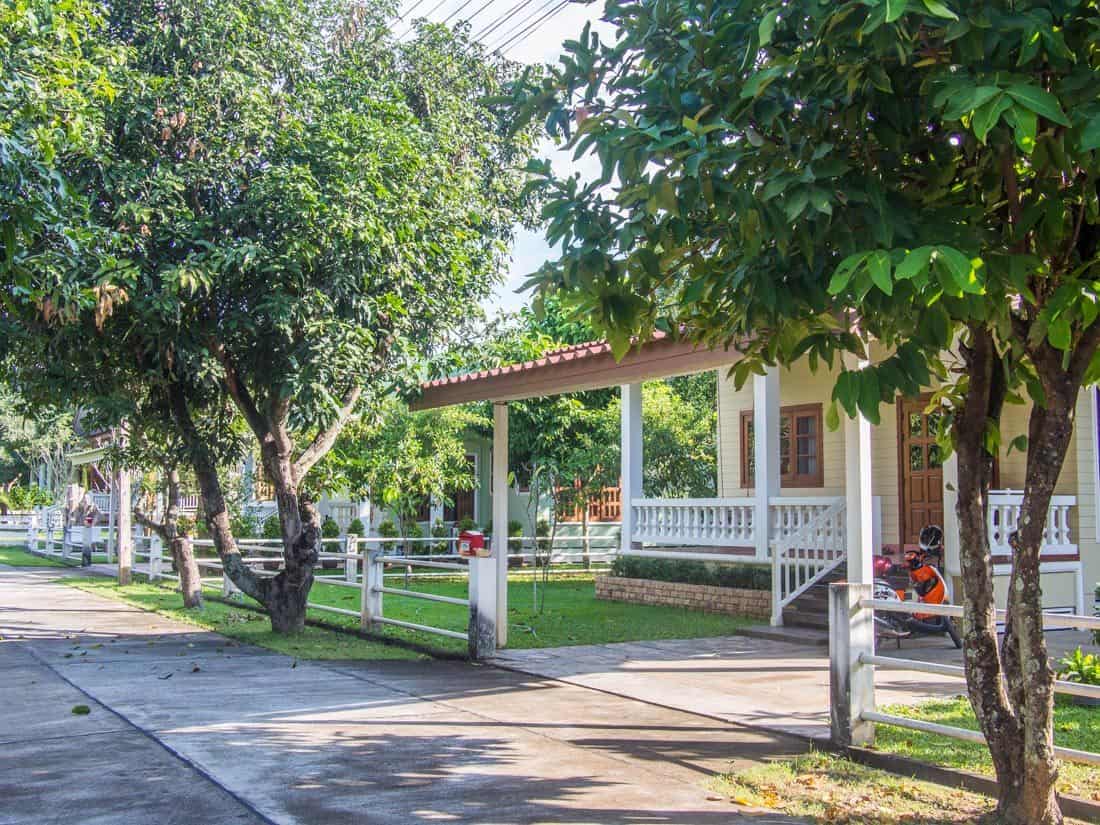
(187, 727)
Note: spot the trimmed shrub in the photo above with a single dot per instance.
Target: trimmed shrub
(357, 528)
(440, 531)
(329, 528)
(244, 526)
(744, 576)
(272, 529)
(387, 529)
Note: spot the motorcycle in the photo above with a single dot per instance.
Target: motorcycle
(927, 583)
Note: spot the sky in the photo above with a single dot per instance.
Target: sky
(542, 46)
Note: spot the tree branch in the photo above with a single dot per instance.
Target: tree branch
(324, 440)
(240, 394)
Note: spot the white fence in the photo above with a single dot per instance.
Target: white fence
(853, 662)
(716, 522)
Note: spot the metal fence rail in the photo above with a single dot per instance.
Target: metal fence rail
(853, 663)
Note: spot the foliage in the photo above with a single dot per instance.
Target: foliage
(298, 204)
(466, 523)
(56, 82)
(33, 435)
(744, 576)
(399, 458)
(329, 528)
(783, 167)
(1080, 667)
(387, 529)
(271, 528)
(440, 531)
(357, 528)
(25, 497)
(245, 525)
(679, 437)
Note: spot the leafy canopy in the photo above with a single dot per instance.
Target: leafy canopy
(774, 171)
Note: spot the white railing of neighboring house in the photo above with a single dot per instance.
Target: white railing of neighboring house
(188, 502)
(1003, 518)
(810, 541)
(102, 501)
(717, 522)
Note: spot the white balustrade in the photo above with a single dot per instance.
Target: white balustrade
(714, 522)
(809, 539)
(790, 514)
(1003, 518)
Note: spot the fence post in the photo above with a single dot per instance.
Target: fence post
(851, 683)
(154, 557)
(50, 526)
(32, 532)
(482, 633)
(228, 588)
(87, 546)
(370, 596)
(778, 571)
(351, 564)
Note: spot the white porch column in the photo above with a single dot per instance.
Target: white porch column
(500, 518)
(630, 433)
(124, 526)
(857, 488)
(951, 559)
(765, 447)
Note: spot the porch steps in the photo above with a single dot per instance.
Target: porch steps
(811, 609)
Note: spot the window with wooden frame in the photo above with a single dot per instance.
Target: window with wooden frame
(800, 434)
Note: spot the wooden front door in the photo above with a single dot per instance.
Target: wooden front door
(920, 469)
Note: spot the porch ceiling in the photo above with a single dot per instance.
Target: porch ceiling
(573, 369)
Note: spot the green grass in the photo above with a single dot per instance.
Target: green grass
(21, 558)
(1075, 726)
(822, 788)
(243, 625)
(571, 614)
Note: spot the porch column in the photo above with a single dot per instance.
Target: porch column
(630, 432)
(951, 559)
(765, 445)
(500, 518)
(857, 488)
(124, 526)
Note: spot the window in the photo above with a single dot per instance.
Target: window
(799, 447)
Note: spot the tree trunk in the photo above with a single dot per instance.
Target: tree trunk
(183, 554)
(996, 717)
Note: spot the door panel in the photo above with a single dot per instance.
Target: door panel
(921, 469)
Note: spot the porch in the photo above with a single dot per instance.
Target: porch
(808, 502)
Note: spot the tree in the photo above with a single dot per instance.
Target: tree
(36, 435)
(298, 205)
(795, 178)
(55, 82)
(679, 437)
(400, 459)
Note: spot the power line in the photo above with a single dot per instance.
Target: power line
(446, 19)
(410, 10)
(517, 26)
(493, 25)
(428, 14)
(523, 35)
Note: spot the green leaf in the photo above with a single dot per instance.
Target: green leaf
(895, 9)
(878, 264)
(938, 9)
(1060, 333)
(1040, 101)
(767, 27)
(1019, 443)
(796, 203)
(869, 396)
(1090, 135)
(832, 417)
(960, 268)
(914, 263)
(844, 272)
(986, 117)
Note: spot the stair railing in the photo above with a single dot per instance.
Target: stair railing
(804, 557)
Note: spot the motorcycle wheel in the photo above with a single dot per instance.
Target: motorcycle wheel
(953, 632)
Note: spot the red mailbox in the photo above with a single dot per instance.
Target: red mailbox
(471, 543)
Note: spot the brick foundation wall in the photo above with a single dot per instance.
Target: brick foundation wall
(732, 600)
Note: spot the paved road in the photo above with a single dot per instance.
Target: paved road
(188, 727)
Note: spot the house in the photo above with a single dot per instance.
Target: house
(814, 504)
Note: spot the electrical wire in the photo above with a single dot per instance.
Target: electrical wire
(410, 10)
(464, 5)
(495, 24)
(427, 14)
(516, 40)
(518, 26)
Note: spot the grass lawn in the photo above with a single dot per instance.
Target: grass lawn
(824, 788)
(571, 614)
(243, 625)
(21, 558)
(1075, 726)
